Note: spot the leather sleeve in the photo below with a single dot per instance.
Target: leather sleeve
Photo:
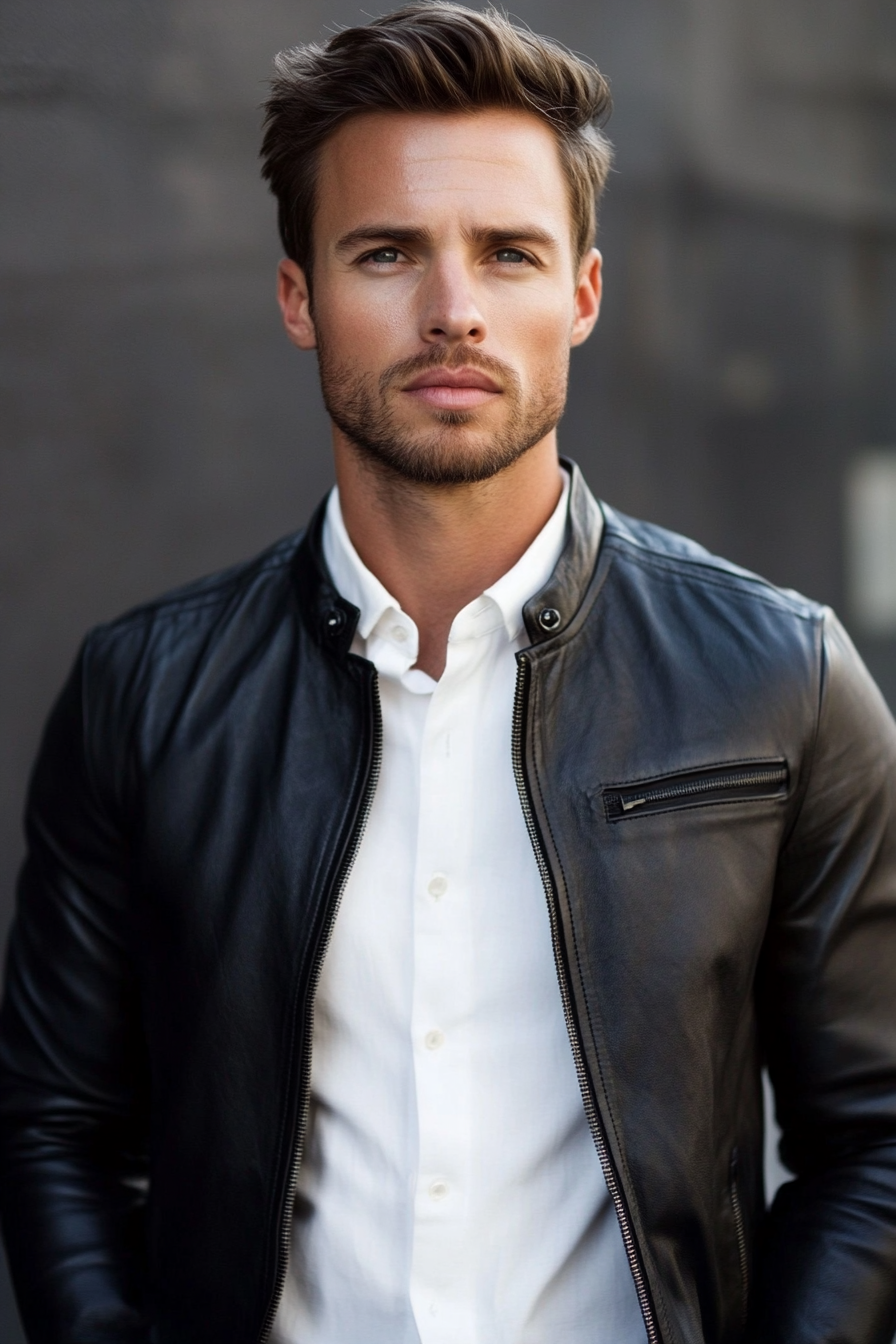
(72, 1072)
(826, 1268)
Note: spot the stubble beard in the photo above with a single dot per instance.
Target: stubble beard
(454, 451)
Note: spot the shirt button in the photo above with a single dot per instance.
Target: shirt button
(438, 885)
(438, 1190)
(433, 1040)
(399, 634)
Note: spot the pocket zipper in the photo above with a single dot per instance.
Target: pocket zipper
(740, 1234)
(723, 783)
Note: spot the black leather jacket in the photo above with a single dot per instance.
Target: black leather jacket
(708, 776)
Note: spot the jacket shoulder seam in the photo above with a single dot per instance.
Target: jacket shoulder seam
(176, 604)
(708, 572)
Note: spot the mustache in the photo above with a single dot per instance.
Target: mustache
(461, 357)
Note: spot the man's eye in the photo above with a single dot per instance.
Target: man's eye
(383, 256)
(512, 254)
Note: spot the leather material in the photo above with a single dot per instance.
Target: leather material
(198, 791)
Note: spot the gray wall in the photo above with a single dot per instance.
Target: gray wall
(155, 423)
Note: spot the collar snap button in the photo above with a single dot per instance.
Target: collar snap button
(334, 621)
(549, 618)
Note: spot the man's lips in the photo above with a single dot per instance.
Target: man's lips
(452, 389)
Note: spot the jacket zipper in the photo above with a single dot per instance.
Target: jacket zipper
(594, 1121)
(345, 867)
(740, 1233)
(621, 801)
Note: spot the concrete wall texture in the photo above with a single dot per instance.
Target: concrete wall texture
(156, 424)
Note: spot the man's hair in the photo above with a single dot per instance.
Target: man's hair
(430, 57)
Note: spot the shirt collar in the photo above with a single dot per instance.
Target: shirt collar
(351, 577)
(358, 585)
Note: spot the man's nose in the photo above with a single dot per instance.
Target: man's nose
(450, 310)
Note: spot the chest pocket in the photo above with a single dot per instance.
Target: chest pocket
(733, 782)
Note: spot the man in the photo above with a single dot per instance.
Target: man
(409, 912)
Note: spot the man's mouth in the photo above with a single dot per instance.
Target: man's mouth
(453, 389)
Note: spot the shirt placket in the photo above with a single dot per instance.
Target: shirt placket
(442, 1008)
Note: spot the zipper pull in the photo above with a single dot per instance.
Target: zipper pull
(632, 802)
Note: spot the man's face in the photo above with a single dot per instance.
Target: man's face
(446, 291)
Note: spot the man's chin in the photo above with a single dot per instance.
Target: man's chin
(457, 455)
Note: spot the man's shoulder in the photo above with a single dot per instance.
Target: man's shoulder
(185, 617)
(657, 551)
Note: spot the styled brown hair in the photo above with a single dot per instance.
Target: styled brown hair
(430, 57)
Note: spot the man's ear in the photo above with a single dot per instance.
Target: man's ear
(587, 301)
(295, 304)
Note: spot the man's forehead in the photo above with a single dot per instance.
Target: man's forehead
(497, 152)
(476, 172)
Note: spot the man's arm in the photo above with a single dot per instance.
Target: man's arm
(826, 1271)
(72, 1059)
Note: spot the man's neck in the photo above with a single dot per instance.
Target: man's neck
(436, 548)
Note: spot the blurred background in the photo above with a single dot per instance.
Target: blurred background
(156, 424)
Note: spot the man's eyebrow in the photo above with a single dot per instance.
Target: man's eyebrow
(516, 233)
(491, 235)
(378, 233)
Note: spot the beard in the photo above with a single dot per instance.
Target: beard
(456, 450)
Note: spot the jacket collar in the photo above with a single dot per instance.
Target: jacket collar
(552, 610)
(333, 620)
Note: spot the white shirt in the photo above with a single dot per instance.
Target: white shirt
(450, 1191)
